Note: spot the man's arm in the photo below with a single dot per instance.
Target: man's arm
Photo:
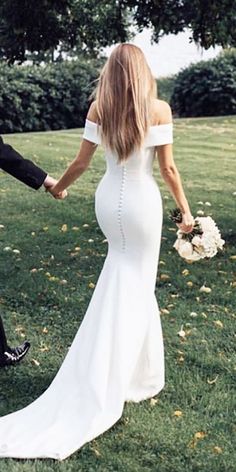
(22, 169)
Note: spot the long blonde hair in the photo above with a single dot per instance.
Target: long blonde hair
(124, 93)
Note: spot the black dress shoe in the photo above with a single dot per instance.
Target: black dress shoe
(14, 355)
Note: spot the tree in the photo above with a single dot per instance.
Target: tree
(212, 22)
(40, 27)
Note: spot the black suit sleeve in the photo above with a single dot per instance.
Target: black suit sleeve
(22, 169)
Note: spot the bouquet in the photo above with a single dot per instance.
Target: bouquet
(203, 241)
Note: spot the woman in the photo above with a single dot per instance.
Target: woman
(117, 354)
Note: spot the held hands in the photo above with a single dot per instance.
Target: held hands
(49, 184)
(58, 195)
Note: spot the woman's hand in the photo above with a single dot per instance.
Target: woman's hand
(58, 195)
(187, 223)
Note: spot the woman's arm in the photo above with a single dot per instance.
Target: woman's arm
(172, 178)
(80, 163)
(76, 168)
(170, 173)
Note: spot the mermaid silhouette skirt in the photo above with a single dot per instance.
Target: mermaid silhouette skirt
(117, 353)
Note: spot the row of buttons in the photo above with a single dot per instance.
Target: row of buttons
(120, 208)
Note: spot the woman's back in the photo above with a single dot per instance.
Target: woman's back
(140, 160)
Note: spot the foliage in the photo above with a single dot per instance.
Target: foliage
(65, 25)
(45, 291)
(207, 88)
(165, 87)
(210, 22)
(42, 98)
(87, 25)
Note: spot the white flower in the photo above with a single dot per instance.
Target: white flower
(185, 249)
(196, 256)
(203, 245)
(177, 244)
(197, 241)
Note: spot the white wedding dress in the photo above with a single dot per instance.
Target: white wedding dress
(117, 353)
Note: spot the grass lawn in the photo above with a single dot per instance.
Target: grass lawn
(45, 289)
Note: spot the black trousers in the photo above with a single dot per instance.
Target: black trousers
(3, 339)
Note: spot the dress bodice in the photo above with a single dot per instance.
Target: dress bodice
(140, 162)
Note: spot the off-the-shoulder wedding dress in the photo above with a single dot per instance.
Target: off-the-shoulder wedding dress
(117, 353)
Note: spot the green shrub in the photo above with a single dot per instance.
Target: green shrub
(165, 87)
(207, 88)
(47, 97)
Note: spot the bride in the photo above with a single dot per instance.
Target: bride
(117, 354)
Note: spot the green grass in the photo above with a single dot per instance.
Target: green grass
(199, 369)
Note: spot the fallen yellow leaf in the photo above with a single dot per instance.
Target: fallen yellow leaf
(197, 436)
(164, 277)
(180, 359)
(153, 401)
(200, 435)
(217, 449)
(178, 413)
(205, 289)
(219, 323)
(210, 382)
(53, 278)
(182, 333)
(64, 228)
(96, 451)
(164, 311)
(63, 282)
(44, 348)
(189, 283)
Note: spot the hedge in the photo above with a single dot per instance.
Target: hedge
(207, 88)
(165, 87)
(56, 96)
(37, 98)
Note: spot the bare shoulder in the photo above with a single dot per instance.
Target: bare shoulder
(161, 112)
(92, 113)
